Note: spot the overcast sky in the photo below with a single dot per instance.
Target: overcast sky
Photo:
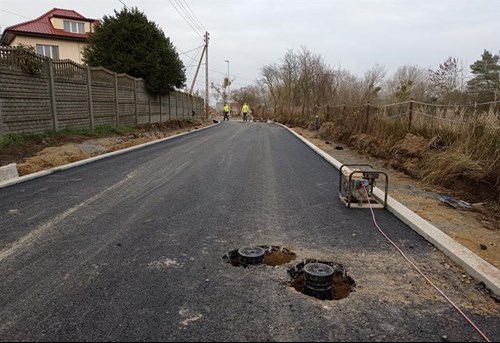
(352, 34)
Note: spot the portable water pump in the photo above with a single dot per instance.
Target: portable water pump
(356, 185)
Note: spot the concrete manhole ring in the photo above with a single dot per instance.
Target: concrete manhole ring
(272, 255)
(251, 255)
(321, 279)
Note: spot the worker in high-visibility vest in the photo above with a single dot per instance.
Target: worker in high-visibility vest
(226, 112)
(245, 109)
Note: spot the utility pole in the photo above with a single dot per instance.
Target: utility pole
(197, 70)
(206, 73)
(205, 52)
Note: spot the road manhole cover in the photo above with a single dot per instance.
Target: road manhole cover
(251, 255)
(254, 255)
(322, 280)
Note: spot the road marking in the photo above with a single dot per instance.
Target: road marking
(39, 232)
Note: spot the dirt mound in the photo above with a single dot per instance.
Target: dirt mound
(51, 157)
(408, 155)
(38, 154)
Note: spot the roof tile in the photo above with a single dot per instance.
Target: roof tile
(42, 24)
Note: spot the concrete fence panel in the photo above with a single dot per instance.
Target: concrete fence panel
(155, 109)
(72, 101)
(126, 100)
(173, 105)
(64, 94)
(24, 102)
(142, 102)
(103, 96)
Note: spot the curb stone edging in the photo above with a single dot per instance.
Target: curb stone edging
(8, 172)
(93, 159)
(478, 268)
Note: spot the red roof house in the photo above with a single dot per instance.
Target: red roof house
(59, 34)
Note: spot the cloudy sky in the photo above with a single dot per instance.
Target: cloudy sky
(352, 34)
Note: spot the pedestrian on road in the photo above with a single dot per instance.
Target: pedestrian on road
(226, 112)
(245, 109)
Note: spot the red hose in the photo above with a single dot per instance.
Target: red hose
(423, 275)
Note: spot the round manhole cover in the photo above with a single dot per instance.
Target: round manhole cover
(254, 255)
(321, 279)
(251, 255)
(318, 270)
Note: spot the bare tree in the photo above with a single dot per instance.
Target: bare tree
(448, 81)
(271, 78)
(372, 83)
(408, 82)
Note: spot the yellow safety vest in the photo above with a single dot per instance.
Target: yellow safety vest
(226, 108)
(246, 109)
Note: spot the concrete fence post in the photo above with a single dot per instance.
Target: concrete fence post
(90, 100)
(169, 106)
(149, 108)
(176, 105)
(52, 90)
(117, 121)
(161, 100)
(136, 112)
(184, 105)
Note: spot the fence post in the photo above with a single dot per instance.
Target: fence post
(161, 100)
(116, 99)
(149, 108)
(169, 106)
(410, 114)
(52, 89)
(91, 104)
(183, 105)
(367, 116)
(136, 112)
(343, 110)
(176, 105)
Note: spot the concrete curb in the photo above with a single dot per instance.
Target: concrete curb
(8, 172)
(93, 159)
(473, 264)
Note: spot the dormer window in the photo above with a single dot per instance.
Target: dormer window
(74, 27)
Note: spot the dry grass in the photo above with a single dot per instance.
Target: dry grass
(464, 144)
(445, 167)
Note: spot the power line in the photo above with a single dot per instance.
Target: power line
(191, 19)
(195, 17)
(124, 4)
(225, 73)
(187, 21)
(186, 53)
(19, 15)
(194, 60)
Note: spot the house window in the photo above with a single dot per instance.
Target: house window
(51, 51)
(74, 27)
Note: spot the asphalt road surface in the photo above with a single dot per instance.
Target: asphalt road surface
(131, 248)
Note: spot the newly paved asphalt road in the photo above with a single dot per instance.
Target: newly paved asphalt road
(131, 247)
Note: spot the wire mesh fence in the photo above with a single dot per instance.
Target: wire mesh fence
(410, 116)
